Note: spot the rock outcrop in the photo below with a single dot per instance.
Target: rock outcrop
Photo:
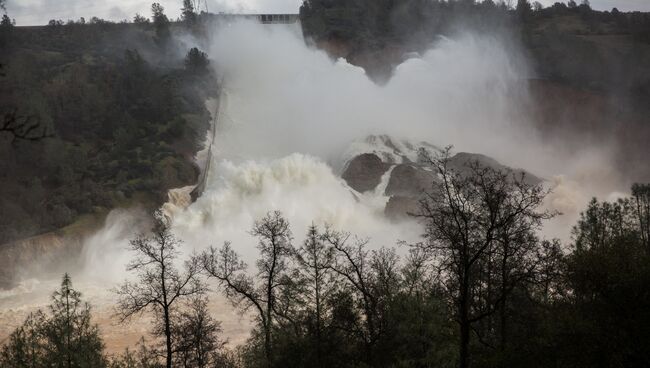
(409, 180)
(409, 176)
(399, 207)
(461, 161)
(364, 172)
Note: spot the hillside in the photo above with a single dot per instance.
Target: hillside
(121, 114)
(117, 115)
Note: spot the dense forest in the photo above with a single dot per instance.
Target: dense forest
(95, 114)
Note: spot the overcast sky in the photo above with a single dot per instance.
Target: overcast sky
(34, 12)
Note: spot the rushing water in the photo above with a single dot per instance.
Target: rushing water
(288, 121)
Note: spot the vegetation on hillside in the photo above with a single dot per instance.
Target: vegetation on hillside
(93, 113)
(370, 26)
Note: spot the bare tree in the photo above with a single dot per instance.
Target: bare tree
(260, 291)
(315, 260)
(480, 228)
(160, 287)
(352, 263)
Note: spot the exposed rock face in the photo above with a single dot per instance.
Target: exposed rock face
(389, 149)
(399, 207)
(364, 172)
(461, 160)
(409, 177)
(409, 180)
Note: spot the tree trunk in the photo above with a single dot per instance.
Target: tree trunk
(464, 323)
(67, 328)
(504, 285)
(267, 343)
(370, 322)
(318, 324)
(168, 338)
(503, 322)
(464, 343)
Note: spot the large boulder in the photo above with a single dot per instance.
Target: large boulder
(372, 157)
(462, 160)
(400, 207)
(364, 172)
(409, 180)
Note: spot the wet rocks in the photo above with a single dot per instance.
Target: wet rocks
(364, 172)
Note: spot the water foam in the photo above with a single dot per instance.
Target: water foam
(303, 187)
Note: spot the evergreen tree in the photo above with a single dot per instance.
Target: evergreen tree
(524, 9)
(64, 339)
(25, 348)
(608, 279)
(188, 13)
(196, 61)
(161, 24)
(139, 19)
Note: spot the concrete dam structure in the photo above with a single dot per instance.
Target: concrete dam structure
(262, 18)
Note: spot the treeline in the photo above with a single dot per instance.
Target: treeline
(372, 24)
(481, 289)
(93, 115)
(190, 20)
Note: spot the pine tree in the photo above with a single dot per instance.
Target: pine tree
(71, 339)
(64, 339)
(161, 23)
(188, 13)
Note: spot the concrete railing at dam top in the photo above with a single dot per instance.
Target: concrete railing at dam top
(262, 18)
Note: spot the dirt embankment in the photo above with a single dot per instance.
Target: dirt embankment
(45, 253)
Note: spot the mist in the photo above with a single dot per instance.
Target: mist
(290, 117)
(289, 120)
(469, 92)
